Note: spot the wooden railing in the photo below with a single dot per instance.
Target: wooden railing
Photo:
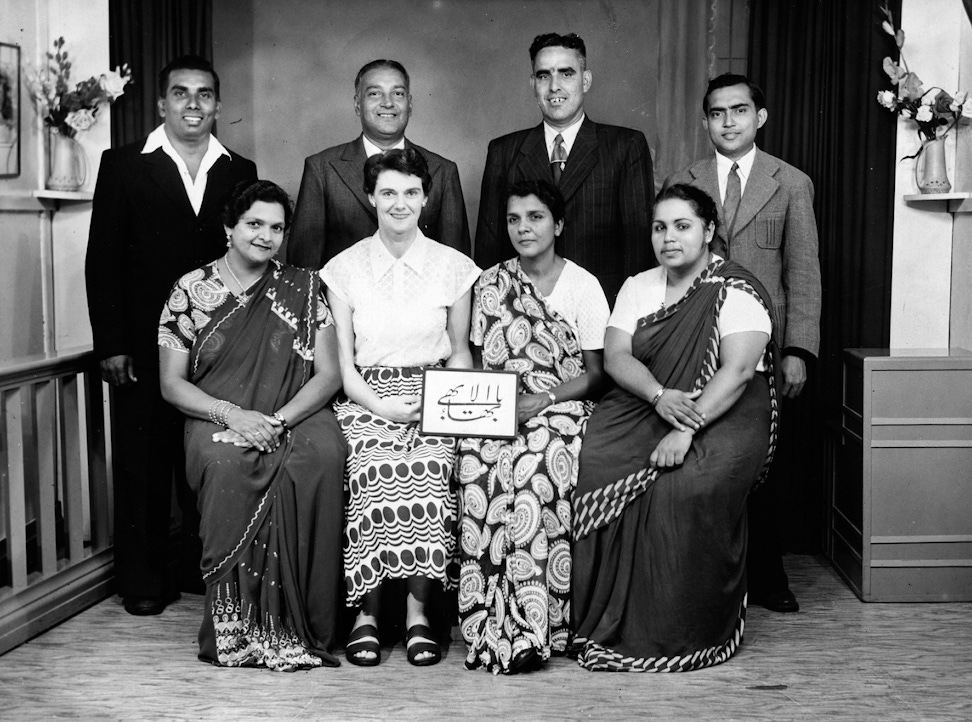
(55, 509)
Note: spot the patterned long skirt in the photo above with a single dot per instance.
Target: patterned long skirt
(401, 507)
(514, 588)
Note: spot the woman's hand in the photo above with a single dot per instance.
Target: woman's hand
(680, 410)
(671, 450)
(403, 409)
(529, 405)
(228, 436)
(259, 430)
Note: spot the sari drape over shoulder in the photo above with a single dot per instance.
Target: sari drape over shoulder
(659, 580)
(271, 523)
(515, 534)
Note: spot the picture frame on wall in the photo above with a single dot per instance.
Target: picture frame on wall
(9, 110)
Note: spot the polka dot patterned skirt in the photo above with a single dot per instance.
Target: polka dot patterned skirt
(402, 507)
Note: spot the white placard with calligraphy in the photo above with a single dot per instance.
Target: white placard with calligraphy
(463, 402)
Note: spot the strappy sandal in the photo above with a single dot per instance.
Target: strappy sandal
(363, 639)
(419, 640)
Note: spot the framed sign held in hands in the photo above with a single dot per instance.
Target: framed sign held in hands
(464, 402)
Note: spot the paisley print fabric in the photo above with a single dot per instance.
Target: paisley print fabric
(515, 531)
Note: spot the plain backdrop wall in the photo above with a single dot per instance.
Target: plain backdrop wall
(287, 70)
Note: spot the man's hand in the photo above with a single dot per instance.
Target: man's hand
(118, 370)
(794, 376)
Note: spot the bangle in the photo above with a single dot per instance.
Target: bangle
(657, 396)
(550, 395)
(219, 410)
(283, 422)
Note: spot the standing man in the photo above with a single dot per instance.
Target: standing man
(767, 224)
(333, 211)
(156, 215)
(603, 171)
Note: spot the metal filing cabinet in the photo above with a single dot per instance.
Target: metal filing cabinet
(901, 496)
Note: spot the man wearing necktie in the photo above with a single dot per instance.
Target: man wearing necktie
(768, 226)
(603, 171)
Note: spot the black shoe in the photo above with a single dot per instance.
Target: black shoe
(526, 660)
(148, 606)
(781, 601)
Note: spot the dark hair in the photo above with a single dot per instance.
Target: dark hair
(548, 194)
(571, 41)
(405, 160)
(702, 204)
(247, 193)
(727, 80)
(374, 65)
(186, 62)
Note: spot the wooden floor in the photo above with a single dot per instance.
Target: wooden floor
(838, 658)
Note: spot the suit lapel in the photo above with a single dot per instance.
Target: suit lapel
(533, 155)
(163, 172)
(350, 169)
(760, 187)
(582, 159)
(707, 179)
(219, 178)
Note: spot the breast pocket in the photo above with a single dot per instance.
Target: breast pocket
(769, 232)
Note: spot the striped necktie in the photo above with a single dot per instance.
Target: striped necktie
(558, 159)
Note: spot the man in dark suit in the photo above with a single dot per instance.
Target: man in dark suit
(767, 224)
(156, 215)
(603, 171)
(333, 211)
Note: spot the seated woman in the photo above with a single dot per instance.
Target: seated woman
(543, 317)
(401, 303)
(670, 455)
(249, 354)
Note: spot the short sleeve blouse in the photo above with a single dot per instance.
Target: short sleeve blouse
(399, 306)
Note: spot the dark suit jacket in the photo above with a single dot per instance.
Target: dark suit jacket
(144, 235)
(608, 186)
(775, 237)
(333, 211)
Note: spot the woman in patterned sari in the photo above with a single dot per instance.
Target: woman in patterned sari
(543, 317)
(248, 353)
(671, 454)
(401, 303)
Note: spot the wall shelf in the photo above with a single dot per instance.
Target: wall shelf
(960, 202)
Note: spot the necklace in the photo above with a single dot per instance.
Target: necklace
(244, 296)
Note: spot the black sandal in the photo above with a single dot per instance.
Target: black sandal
(419, 640)
(363, 639)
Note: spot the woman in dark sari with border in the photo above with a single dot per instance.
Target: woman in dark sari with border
(671, 454)
(249, 354)
(542, 316)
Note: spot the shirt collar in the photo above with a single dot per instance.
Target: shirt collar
(382, 259)
(158, 139)
(371, 149)
(569, 133)
(724, 165)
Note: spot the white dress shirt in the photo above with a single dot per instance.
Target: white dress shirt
(195, 188)
(569, 133)
(371, 149)
(724, 165)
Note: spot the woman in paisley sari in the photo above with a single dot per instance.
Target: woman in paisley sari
(671, 454)
(248, 353)
(543, 317)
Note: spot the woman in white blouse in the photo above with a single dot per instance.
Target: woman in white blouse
(401, 302)
(670, 455)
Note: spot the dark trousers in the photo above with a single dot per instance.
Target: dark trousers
(147, 446)
(764, 556)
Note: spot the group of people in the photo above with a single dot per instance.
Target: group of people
(613, 527)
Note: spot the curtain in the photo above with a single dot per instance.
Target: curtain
(820, 64)
(147, 34)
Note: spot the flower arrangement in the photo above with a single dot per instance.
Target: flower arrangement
(933, 110)
(69, 110)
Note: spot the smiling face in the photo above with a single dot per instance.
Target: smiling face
(398, 198)
(531, 226)
(560, 82)
(732, 120)
(257, 235)
(680, 237)
(384, 106)
(190, 106)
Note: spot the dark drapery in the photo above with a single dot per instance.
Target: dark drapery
(147, 34)
(820, 64)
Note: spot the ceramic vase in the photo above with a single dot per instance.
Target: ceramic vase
(930, 172)
(68, 165)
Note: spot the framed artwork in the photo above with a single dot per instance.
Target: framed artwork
(9, 110)
(463, 402)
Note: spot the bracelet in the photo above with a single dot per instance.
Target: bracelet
(283, 422)
(219, 410)
(550, 395)
(657, 396)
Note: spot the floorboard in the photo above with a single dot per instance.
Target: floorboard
(838, 658)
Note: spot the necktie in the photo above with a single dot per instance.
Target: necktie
(558, 158)
(731, 204)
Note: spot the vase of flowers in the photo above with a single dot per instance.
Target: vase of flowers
(68, 110)
(933, 111)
